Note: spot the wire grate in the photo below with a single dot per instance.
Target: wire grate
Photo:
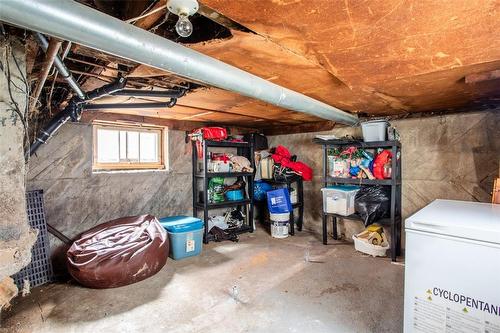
(39, 270)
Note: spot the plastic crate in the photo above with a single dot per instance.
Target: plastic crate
(39, 270)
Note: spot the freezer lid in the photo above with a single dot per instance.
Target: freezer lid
(472, 220)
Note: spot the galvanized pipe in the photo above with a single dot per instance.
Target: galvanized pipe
(61, 67)
(83, 25)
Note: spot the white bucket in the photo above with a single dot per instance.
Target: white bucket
(374, 130)
(279, 229)
(282, 217)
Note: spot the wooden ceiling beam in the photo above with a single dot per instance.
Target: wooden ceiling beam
(89, 117)
(481, 77)
(317, 126)
(181, 125)
(236, 114)
(232, 113)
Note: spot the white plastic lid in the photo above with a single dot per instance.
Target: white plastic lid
(464, 219)
(376, 121)
(343, 188)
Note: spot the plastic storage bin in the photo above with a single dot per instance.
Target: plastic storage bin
(339, 199)
(374, 130)
(294, 197)
(185, 235)
(373, 250)
(234, 195)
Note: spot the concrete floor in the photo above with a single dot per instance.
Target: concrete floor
(337, 290)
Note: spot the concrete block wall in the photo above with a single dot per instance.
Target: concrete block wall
(446, 157)
(16, 237)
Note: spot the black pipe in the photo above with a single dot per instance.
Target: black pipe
(73, 112)
(156, 105)
(60, 119)
(108, 89)
(173, 93)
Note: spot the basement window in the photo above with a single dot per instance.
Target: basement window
(126, 147)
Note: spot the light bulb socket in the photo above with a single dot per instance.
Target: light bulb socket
(185, 7)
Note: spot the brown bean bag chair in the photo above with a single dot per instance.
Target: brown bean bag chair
(119, 252)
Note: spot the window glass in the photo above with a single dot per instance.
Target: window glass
(132, 146)
(107, 147)
(124, 147)
(149, 147)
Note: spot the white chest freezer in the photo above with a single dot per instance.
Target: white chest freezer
(452, 268)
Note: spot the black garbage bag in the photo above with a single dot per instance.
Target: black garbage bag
(372, 203)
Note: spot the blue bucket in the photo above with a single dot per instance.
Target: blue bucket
(234, 195)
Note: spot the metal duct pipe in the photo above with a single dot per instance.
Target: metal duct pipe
(61, 67)
(83, 25)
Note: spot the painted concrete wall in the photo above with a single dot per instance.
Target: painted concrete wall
(16, 237)
(452, 157)
(77, 199)
(448, 157)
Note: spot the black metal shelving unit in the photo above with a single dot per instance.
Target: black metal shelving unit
(243, 149)
(394, 221)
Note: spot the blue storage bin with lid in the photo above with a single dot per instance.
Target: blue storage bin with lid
(185, 234)
(234, 195)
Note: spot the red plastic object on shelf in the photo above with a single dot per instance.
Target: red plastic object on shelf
(213, 133)
(380, 161)
(207, 133)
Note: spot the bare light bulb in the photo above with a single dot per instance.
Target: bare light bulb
(183, 26)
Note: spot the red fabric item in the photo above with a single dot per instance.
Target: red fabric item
(214, 133)
(301, 168)
(282, 156)
(379, 162)
(281, 153)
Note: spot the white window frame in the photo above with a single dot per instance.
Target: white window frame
(131, 165)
